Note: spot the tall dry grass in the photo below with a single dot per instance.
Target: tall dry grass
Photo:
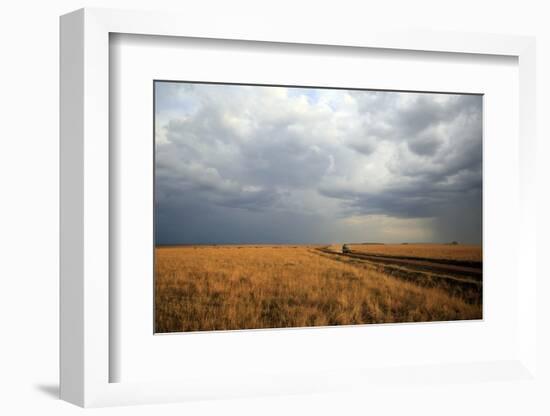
(464, 252)
(241, 287)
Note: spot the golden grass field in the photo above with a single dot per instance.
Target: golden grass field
(201, 288)
(431, 251)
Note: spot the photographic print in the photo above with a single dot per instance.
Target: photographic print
(280, 207)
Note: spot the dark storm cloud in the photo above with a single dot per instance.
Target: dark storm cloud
(424, 145)
(263, 164)
(417, 200)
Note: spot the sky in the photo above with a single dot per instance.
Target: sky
(237, 164)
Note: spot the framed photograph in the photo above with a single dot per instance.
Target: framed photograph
(275, 212)
(287, 206)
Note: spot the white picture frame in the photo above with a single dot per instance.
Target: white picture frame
(85, 214)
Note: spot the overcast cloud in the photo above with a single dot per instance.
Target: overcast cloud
(247, 164)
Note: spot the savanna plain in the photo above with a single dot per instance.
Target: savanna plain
(229, 287)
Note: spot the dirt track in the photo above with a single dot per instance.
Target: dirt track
(469, 269)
